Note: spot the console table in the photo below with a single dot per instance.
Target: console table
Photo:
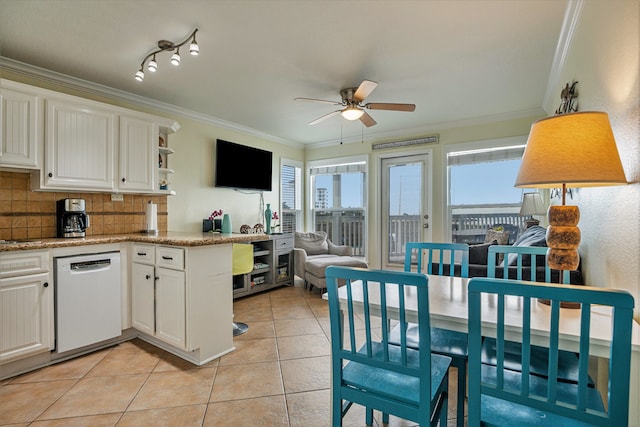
(272, 266)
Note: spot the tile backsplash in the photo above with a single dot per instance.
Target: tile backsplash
(26, 214)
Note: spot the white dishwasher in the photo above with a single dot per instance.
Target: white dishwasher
(88, 303)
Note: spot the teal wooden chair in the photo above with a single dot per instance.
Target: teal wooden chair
(520, 257)
(499, 396)
(365, 367)
(438, 259)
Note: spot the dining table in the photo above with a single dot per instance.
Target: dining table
(448, 309)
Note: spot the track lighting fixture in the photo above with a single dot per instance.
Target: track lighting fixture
(165, 45)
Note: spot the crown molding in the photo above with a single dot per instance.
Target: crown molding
(570, 22)
(42, 74)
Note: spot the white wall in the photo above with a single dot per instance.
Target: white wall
(196, 197)
(604, 57)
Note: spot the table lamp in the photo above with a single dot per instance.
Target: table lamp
(532, 204)
(569, 150)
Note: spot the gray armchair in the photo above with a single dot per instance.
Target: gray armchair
(313, 252)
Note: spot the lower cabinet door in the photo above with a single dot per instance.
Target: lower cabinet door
(142, 298)
(26, 316)
(171, 307)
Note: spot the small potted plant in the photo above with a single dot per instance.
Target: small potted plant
(164, 184)
(274, 224)
(217, 223)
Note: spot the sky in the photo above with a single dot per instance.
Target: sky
(479, 183)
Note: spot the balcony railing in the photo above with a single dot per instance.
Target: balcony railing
(343, 227)
(469, 224)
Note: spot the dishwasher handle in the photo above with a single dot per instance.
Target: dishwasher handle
(90, 265)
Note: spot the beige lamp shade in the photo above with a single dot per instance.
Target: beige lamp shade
(576, 149)
(532, 204)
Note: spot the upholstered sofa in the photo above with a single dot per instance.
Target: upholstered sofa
(313, 252)
(532, 236)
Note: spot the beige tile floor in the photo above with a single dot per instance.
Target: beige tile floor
(277, 376)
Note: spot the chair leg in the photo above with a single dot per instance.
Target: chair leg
(385, 419)
(369, 417)
(462, 392)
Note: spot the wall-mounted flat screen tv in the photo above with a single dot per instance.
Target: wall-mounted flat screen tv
(240, 166)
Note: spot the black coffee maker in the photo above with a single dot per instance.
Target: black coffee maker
(71, 218)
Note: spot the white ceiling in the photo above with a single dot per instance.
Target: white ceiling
(458, 61)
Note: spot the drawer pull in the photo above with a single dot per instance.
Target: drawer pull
(45, 284)
(142, 254)
(167, 257)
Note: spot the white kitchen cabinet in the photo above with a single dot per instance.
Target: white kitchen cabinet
(143, 297)
(159, 292)
(20, 126)
(79, 146)
(186, 305)
(138, 154)
(26, 305)
(170, 307)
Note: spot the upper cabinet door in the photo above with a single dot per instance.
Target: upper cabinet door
(80, 146)
(19, 129)
(138, 154)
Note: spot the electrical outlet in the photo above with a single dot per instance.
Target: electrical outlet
(117, 197)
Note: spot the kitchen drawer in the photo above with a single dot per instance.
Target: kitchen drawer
(169, 257)
(22, 263)
(283, 243)
(144, 254)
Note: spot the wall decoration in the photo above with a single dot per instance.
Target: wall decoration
(569, 97)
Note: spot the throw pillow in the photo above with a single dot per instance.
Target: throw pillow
(501, 236)
(478, 254)
(313, 243)
(532, 236)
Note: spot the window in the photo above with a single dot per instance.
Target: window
(481, 192)
(290, 196)
(338, 191)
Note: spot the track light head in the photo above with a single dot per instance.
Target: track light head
(140, 75)
(194, 49)
(152, 65)
(175, 58)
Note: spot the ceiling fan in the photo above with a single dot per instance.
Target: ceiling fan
(354, 109)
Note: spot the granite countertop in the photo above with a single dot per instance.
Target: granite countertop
(166, 238)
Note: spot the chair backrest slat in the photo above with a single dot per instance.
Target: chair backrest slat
(496, 291)
(426, 254)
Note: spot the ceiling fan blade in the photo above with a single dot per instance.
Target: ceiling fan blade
(325, 117)
(367, 120)
(318, 100)
(390, 106)
(365, 88)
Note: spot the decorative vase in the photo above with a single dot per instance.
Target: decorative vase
(267, 218)
(226, 224)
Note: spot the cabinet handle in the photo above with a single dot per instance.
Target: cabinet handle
(124, 179)
(147, 277)
(167, 257)
(45, 284)
(50, 175)
(156, 278)
(142, 254)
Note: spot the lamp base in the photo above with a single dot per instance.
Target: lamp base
(563, 237)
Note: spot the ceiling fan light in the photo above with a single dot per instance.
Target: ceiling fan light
(152, 65)
(140, 75)
(352, 113)
(175, 58)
